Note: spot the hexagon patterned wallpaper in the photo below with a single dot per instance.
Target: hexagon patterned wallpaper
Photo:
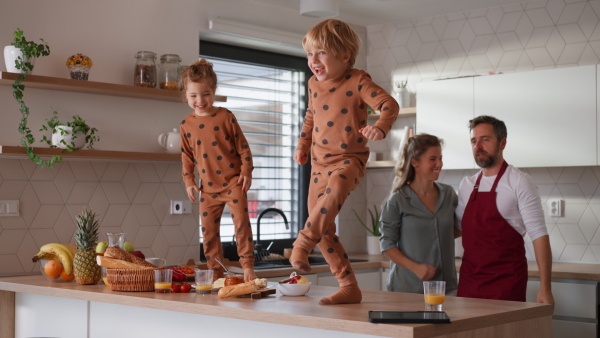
(130, 197)
(516, 38)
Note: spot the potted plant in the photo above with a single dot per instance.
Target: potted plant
(374, 231)
(70, 135)
(30, 51)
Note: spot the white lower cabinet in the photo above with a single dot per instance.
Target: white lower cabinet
(369, 279)
(575, 310)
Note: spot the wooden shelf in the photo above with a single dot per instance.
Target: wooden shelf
(404, 112)
(381, 164)
(99, 88)
(93, 154)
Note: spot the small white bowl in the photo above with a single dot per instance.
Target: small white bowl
(293, 289)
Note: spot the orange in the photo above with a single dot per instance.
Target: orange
(53, 269)
(65, 277)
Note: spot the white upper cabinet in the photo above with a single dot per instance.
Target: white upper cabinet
(444, 110)
(550, 115)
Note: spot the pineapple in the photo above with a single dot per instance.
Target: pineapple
(87, 271)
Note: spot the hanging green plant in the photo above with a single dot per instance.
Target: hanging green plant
(69, 135)
(31, 51)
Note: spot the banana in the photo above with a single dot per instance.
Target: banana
(67, 250)
(59, 252)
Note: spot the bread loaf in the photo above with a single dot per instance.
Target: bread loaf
(113, 263)
(237, 290)
(118, 253)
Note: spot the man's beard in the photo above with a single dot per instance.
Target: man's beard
(487, 161)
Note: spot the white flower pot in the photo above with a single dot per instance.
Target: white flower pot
(67, 136)
(403, 96)
(373, 245)
(11, 53)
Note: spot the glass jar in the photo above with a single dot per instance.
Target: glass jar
(168, 74)
(145, 69)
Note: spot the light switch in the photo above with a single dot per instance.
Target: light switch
(9, 207)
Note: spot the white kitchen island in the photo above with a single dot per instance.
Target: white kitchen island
(72, 310)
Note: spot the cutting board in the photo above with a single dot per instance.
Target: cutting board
(259, 294)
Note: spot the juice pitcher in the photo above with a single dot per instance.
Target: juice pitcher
(116, 239)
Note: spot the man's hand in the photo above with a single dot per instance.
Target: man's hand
(190, 191)
(300, 157)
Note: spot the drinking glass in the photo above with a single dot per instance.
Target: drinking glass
(204, 280)
(435, 294)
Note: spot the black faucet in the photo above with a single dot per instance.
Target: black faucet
(287, 226)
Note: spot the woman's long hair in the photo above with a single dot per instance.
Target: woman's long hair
(413, 149)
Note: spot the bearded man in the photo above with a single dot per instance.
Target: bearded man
(496, 208)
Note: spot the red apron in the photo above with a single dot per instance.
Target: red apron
(494, 264)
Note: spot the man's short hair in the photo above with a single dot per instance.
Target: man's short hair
(499, 126)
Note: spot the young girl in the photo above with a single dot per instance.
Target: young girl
(213, 142)
(335, 132)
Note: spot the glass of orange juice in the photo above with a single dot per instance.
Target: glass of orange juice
(435, 294)
(162, 280)
(204, 280)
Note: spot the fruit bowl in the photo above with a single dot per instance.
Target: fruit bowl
(287, 289)
(54, 271)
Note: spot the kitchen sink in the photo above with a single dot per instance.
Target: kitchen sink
(285, 263)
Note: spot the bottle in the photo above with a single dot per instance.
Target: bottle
(145, 69)
(168, 75)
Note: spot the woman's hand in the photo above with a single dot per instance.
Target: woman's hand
(190, 191)
(424, 271)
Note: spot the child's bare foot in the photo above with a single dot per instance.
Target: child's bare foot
(345, 295)
(299, 260)
(249, 274)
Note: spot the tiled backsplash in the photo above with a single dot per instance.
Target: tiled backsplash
(130, 197)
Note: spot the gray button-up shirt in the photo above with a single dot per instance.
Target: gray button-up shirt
(421, 235)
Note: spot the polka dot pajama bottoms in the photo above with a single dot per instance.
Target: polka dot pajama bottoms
(211, 210)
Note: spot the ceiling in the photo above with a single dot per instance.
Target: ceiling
(373, 12)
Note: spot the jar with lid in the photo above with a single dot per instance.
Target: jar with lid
(145, 69)
(168, 74)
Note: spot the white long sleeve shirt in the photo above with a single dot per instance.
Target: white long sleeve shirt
(518, 201)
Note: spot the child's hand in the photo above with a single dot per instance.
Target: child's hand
(190, 191)
(372, 133)
(300, 157)
(245, 181)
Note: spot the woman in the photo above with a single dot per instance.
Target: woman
(417, 220)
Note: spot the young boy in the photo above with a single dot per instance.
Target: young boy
(212, 141)
(335, 132)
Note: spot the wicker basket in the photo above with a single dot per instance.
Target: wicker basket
(130, 279)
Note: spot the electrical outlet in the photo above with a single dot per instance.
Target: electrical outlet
(555, 207)
(180, 207)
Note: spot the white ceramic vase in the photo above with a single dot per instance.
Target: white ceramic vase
(11, 53)
(67, 137)
(403, 96)
(373, 245)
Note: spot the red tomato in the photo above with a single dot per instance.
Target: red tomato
(185, 287)
(175, 288)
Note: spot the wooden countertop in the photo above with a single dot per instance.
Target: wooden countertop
(465, 313)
